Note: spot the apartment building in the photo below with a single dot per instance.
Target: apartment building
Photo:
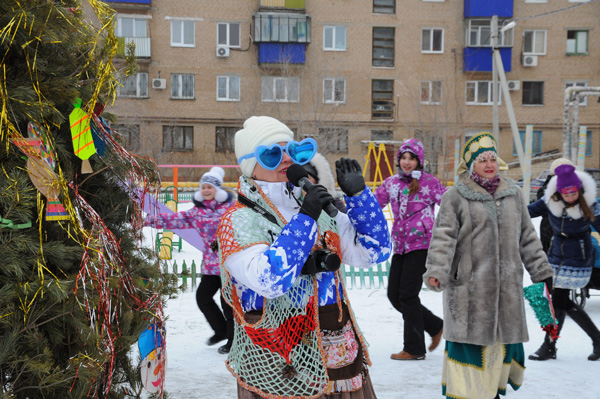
(348, 72)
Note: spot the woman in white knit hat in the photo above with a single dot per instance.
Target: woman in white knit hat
(211, 202)
(295, 335)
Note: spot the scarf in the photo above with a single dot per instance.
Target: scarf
(489, 185)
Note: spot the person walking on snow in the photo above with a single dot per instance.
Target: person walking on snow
(482, 238)
(412, 195)
(295, 332)
(210, 203)
(571, 207)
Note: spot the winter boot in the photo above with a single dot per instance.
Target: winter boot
(546, 351)
(548, 348)
(580, 317)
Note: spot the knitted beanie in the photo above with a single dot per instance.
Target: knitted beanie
(214, 177)
(258, 130)
(557, 162)
(567, 180)
(413, 146)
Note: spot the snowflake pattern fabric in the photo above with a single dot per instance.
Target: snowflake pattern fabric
(413, 214)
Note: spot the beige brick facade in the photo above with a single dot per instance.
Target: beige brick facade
(440, 124)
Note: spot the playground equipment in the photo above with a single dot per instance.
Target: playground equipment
(165, 241)
(375, 157)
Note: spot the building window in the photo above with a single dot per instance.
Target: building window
(228, 34)
(382, 135)
(383, 47)
(479, 92)
(334, 38)
(431, 92)
(131, 27)
(582, 99)
(134, 86)
(536, 147)
(384, 6)
(334, 91)
(533, 93)
(281, 28)
(479, 34)
(183, 33)
(228, 88)
(432, 40)
(130, 135)
(182, 86)
(333, 140)
(382, 99)
(577, 42)
(280, 89)
(225, 138)
(534, 42)
(178, 138)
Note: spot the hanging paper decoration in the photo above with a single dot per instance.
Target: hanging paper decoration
(541, 303)
(46, 151)
(97, 137)
(81, 134)
(43, 176)
(154, 357)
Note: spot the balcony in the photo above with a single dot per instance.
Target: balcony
(479, 59)
(142, 46)
(488, 8)
(281, 37)
(282, 4)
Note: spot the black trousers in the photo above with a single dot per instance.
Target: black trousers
(404, 284)
(220, 321)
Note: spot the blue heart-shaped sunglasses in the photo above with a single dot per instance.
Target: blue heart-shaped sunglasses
(270, 157)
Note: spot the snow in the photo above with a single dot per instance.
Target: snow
(196, 370)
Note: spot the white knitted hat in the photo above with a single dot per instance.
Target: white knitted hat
(559, 161)
(214, 177)
(258, 130)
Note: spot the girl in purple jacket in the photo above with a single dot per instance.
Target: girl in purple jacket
(211, 202)
(412, 195)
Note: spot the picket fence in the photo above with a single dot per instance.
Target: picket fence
(354, 277)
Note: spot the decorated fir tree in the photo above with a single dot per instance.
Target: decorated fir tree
(76, 289)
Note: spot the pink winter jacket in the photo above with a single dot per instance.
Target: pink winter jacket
(204, 217)
(414, 214)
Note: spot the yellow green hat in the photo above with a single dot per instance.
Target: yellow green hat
(477, 145)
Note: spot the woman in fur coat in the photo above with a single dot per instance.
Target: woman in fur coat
(482, 238)
(570, 205)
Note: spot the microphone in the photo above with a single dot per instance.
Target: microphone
(297, 175)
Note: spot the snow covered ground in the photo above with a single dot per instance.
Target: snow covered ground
(197, 371)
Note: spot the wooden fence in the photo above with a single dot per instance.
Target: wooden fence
(354, 277)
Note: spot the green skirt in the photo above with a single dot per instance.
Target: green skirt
(481, 372)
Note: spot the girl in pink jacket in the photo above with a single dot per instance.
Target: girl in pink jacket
(412, 195)
(211, 202)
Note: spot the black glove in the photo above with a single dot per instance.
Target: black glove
(320, 261)
(548, 282)
(314, 201)
(349, 176)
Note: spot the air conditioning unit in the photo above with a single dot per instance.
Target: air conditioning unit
(222, 51)
(529, 60)
(159, 83)
(514, 85)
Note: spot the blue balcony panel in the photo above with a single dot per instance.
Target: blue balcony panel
(479, 59)
(281, 53)
(488, 8)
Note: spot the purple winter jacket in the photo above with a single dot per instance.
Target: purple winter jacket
(205, 218)
(414, 214)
